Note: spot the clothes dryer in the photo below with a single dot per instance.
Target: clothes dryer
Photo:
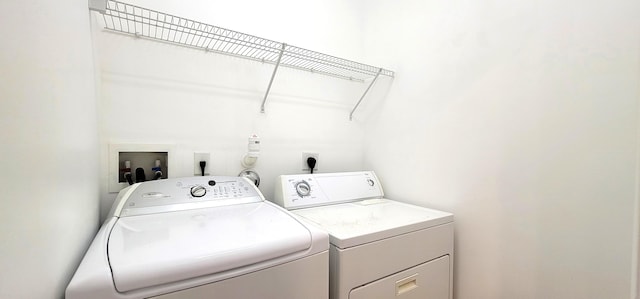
(380, 248)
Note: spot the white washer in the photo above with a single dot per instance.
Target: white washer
(380, 248)
(202, 237)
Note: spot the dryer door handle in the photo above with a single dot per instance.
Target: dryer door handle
(406, 285)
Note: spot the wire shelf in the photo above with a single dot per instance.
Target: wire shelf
(142, 22)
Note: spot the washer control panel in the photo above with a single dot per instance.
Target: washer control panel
(185, 193)
(308, 190)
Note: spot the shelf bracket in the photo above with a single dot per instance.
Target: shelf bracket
(365, 93)
(275, 69)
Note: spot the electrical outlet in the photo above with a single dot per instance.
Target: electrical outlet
(197, 157)
(305, 156)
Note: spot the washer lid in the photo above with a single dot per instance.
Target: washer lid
(356, 223)
(154, 249)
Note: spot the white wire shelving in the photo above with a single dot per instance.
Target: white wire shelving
(151, 24)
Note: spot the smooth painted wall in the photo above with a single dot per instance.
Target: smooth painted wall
(49, 153)
(521, 118)
(156, 93)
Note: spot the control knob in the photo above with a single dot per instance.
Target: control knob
(198, 191)
(302, 188)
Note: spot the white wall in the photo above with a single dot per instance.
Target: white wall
(49, 155)
(521, 118)
(202, 102)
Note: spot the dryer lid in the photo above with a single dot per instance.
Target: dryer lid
(149, 250)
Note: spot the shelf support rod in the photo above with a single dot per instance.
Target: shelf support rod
(275, 69)
(365, 93)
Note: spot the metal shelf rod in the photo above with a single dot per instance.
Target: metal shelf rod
(364, 94)
(275, 69)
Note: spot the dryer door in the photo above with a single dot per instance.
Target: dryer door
(428, 280)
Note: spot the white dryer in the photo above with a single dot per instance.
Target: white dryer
(380, 248)
(202, 237)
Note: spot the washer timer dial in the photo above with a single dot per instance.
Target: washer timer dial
(302, 188)
(198, 191)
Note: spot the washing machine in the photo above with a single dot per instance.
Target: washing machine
(202, 237)
(379, 248)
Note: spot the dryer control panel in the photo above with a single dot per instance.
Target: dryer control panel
(184, 194)
(309, 190)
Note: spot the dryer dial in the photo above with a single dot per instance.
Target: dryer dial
(303, 189)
